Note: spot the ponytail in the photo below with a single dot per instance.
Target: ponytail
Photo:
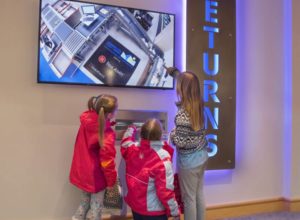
(91, 103)
(101, 121)
(103, 105)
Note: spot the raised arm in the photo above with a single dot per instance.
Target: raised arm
(173, 71)
(128, 140)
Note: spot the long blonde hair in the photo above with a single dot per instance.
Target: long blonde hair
(103, 105)
(189, 94)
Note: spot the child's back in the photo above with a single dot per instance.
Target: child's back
(149, 176)
(86, 173)
(189, 138)
(93, 165)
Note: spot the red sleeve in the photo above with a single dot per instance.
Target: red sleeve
(107, 158)
(164, 183)
(128, 141)
(91, 134)
(168, 148)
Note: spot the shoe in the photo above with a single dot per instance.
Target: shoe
(92, 215)
(79, 214)
(74, 218)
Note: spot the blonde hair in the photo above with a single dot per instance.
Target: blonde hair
(151, 130)
(189, 94)
(103, 105)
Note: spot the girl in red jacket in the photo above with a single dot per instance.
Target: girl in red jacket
(93, 165)
(149, 174)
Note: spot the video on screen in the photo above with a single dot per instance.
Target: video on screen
(99, 44)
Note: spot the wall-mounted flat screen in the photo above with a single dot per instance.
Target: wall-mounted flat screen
(100, 44)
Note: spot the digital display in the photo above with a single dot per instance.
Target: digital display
(99, 44)
(88, 9)
(112, 63)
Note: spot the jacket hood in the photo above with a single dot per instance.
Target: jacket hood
(152, 144)
(157, 145)
(88, 117)
(91, 117)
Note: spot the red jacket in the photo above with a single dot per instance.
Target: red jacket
(149, 176)
(93, 168)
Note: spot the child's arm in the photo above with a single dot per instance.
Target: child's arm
(172, 71)
(172, 136)
(107, 159)
(128, 140)
(91, 135)
(175, 137)
(164, 183)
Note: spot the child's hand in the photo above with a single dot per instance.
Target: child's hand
(133, 127)
(130, 132)
(109, 187)
(176, 217)
(172, 71)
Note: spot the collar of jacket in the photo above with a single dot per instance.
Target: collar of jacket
(152, 144)
(109, 123)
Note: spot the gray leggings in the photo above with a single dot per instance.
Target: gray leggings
(191, 186)
(90, 207)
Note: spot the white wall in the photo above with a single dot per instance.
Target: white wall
(39, 121)
(295, 152)
(260, 108)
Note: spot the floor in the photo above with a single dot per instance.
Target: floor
(270, 216)
(265, 216)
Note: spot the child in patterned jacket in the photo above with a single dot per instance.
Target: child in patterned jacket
(189, 138)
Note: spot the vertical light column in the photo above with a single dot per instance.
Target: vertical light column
(287, 145)
(294, 161)
(184, 14)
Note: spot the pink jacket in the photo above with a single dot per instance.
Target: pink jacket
(93, 168)
(149, 176)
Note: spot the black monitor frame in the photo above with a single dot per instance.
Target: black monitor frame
(39, 80)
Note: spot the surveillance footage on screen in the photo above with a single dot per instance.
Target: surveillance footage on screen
(97, 44)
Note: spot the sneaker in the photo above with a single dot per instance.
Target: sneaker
(93, 215)
(80, 213)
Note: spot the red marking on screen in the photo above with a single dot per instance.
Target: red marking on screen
(102, 59)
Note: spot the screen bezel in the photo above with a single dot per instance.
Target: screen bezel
(104, 85)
